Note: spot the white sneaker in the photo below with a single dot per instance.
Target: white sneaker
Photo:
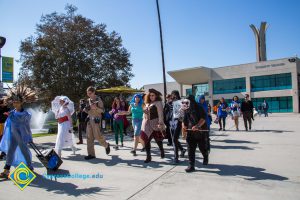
(74, 150)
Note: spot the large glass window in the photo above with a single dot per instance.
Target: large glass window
(189, 91)
(271, 82)
(228, 101)
(229, 86)
(276, 104)
(200, 89)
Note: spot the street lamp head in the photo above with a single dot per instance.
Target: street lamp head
(2, 41)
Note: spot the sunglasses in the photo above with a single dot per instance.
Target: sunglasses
(185, 102)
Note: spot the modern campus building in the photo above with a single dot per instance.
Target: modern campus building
(277, 81)
(186, 89)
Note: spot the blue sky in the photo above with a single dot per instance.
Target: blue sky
(207, 33)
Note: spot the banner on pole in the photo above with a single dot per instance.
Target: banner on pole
(7, 69)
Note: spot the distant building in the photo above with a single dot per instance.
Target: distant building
(277, 81)
(186, 89)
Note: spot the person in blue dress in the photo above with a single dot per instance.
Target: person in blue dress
(17, 133)
(222, 113)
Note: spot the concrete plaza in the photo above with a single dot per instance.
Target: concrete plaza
(261, 164)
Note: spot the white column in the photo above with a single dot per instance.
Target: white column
(248, 86)
(295, 92)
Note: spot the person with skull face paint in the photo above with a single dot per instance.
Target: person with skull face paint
(194, 122)
(175, 125)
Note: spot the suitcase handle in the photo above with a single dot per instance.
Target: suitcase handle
(34, 147)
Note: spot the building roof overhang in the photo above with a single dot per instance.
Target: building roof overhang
(191, 76)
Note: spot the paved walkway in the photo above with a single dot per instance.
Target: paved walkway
(262, 164)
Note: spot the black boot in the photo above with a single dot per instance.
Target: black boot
(107, 149)
(148, 159)
(133, 152)
(147, 148)
(205, 160)
(182, 153)
(190, 169)
(161, 148)
(89, 157)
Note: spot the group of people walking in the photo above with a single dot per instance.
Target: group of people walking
(151, 119)
(237, 109)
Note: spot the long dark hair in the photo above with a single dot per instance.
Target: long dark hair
(236, 97)
(194, 107)
(223, 102)
(114, 104)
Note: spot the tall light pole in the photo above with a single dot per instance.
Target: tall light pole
(162, 52)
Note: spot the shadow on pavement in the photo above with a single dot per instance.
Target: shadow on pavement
(231, 147)
(274, 131)
(116, 160)
(214, 134)
(247, 172)
(69, 189)
(236, 141)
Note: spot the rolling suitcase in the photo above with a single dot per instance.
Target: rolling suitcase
(49, 159)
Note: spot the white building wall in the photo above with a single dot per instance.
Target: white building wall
(170, 87)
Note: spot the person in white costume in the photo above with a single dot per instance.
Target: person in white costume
(64, 133)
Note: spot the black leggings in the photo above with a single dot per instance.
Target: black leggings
(175, 136)
(194, 140)
(224, 122)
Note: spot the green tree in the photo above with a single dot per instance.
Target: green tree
(68, 53)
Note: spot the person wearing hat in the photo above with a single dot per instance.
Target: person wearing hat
(194, 123)
(153, 123)
(247, 112)
(64, 137)
(17, 133)
(175, 124)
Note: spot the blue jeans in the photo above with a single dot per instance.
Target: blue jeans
(137, 125)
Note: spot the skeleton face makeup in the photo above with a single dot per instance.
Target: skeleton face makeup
(185, 104)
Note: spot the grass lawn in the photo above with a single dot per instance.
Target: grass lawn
(51, 123)
(42, 135)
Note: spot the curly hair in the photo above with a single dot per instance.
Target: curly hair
(147, 98)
